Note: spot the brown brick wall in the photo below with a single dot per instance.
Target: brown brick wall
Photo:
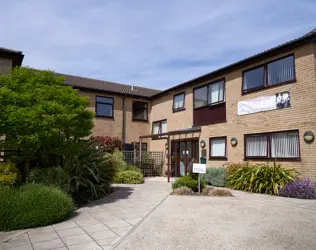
(5, 65)
(302, 114)
(113, 126)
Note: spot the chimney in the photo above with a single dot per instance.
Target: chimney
(132, 87)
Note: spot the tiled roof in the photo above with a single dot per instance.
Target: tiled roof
(93, 84)
(12, 51)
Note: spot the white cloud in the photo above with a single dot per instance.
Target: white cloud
(150, 43)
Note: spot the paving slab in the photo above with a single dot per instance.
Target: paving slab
(99, 225)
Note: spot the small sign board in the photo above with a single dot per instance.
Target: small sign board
(199, 168)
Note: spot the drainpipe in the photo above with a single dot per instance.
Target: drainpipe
(124, 122)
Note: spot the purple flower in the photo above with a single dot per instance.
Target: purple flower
(300, 188)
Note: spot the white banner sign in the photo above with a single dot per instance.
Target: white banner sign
(199, 168)
(264, 103)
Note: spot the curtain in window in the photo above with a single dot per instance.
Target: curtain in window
(156, 127)
(164, 127)
(178, 101)
(285, 145)
(216, 92)
(253, 78)
(281, 70)
(218, 147)
(256, 145)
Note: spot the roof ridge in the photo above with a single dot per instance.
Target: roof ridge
(104, 81)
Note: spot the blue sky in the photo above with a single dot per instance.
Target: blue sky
(155, 44)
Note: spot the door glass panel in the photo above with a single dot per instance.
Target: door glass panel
(189, 153)
(182, 158)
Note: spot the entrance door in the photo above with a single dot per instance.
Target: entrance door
(183, 154)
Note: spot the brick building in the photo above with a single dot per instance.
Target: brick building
(257, 109)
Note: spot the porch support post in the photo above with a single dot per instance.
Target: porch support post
(169, 158)
(140, 150)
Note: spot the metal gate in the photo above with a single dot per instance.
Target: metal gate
(151, 163)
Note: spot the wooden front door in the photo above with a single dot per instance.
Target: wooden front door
(183, 154)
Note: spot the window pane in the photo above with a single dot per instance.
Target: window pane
(164, 127)
(104, 99)
(140, 111)
(285, 145)
(256, 145)
(253, 78)
(104, 109)
(178, 102)
(218, 147)
(200, 97)
(281, 70)
(156, 127)
(216, 92)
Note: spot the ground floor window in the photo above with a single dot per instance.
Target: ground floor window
(276, 145)
(218, 147)
(144, 146)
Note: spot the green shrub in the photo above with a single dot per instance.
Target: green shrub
(132, 168)
(233, 167)
(32, 205)
(189, 181)
(129, 177)
(90, 170)
(261, 178)
(215, 177)
(49, 176)
(116, 160)
(8, 174)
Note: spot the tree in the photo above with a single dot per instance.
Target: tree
(37, 109)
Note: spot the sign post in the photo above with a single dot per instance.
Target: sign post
(199, 169)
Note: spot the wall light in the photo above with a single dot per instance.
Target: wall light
(202, 144)
(233, 142)
(308, 136)
(166, 146)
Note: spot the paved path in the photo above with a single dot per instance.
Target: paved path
(100, 225)
(245, 221)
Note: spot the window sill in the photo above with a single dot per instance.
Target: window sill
(217, 158)
(103, 116)
(178, 110)
(139, 120)
(211, 105)
(267, 87)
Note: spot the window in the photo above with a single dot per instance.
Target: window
(159, 127)
(278, 145)
(140, 111)
(178, 102)
(218, 147)
(144, 146)
(211, 94)
(272, 73)
(104, 106)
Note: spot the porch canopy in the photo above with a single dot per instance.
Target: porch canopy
(167, 137)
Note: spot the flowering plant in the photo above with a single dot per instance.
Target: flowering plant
(107, 143)
(300, 188)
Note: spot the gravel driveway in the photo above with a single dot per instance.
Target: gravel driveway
(246, 221)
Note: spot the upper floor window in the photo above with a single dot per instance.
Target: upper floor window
(277, 145)
(276, 72)
(178, 102)
(159, 127)
(140, 111)
(210, 94)
(104, 106)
